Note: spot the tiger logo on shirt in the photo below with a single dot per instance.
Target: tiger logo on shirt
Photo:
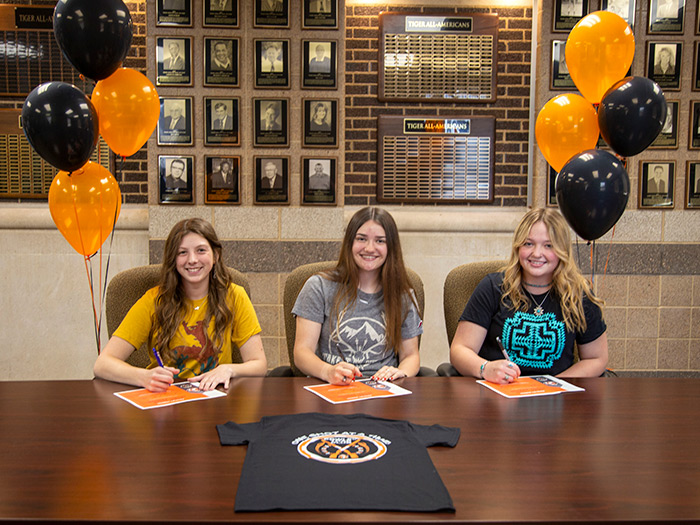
(341, 448)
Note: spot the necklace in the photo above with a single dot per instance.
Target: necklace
(538, 309)
(538, 285)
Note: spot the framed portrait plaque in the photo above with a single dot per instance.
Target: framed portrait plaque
(320, 123)
(222, 179)
(318, 64)
(222, 121)
(623, 8)
(668, 136)
(221, 62)
(175, 121)
(656, 184)
(271, 180)
(560, 78)
(664, 64)
(174, 13)
(220, 13)
(666, 16)
(696, 67)
(270, 122)
(318, 181)
(271, 13)
(173, 61)
(319, 14)
(176, 179)
(567, 13)
(694, 131)
(272, 63)
(551, 186)
(692, 184)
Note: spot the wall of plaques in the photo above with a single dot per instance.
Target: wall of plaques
(667, 51)
(437, 58)
(251, 101)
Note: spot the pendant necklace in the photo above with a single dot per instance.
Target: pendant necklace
(538, 308)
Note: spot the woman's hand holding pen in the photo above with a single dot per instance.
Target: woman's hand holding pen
(501, 371)
(160, 378)
(343, 373)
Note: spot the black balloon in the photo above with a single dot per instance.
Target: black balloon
(94, 35)
(631, 115)
(592, 191)
(61, 124)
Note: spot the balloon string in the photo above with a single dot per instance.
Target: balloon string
(77, 220)
(88, 270)
(109, 257)
(578, 253)
(607, 258)
(592, 262)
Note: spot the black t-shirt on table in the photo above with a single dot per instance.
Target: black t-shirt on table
(318, 461)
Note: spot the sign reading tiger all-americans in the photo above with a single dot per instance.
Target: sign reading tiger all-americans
(462, 126)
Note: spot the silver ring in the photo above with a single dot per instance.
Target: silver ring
(344, 379)
(507, 378)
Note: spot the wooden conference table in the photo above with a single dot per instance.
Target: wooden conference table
(626, 449)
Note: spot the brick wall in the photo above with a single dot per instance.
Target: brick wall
(132, 175)
(362, 106)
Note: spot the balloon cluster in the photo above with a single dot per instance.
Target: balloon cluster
(63, 125)
(592, 185)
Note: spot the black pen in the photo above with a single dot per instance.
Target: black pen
(505, 354)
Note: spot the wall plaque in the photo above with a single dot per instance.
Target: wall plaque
(449, 58)
(428, 159)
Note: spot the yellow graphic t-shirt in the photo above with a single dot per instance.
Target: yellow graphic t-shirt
(193, 346)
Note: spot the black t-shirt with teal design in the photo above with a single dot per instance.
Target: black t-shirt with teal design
(536, 343)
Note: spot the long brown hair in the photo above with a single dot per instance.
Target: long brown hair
(568, 283)
(171, 309)
(393, 275)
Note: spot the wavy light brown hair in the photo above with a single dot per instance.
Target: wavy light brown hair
(170, 309)
(568, 284)
(393, 275)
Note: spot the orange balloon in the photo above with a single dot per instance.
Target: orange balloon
(599, 52)
(85, 205)
(128, 107)
(565, 126)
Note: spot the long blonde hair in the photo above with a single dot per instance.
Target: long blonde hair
(170, 307)
(393, 275)
(568, 284)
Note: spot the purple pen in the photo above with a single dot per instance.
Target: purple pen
(158, 359)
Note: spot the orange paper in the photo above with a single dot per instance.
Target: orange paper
(531, 386)
(357, 391)
(177, 393)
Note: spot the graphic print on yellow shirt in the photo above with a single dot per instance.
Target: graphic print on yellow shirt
(202, 352)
